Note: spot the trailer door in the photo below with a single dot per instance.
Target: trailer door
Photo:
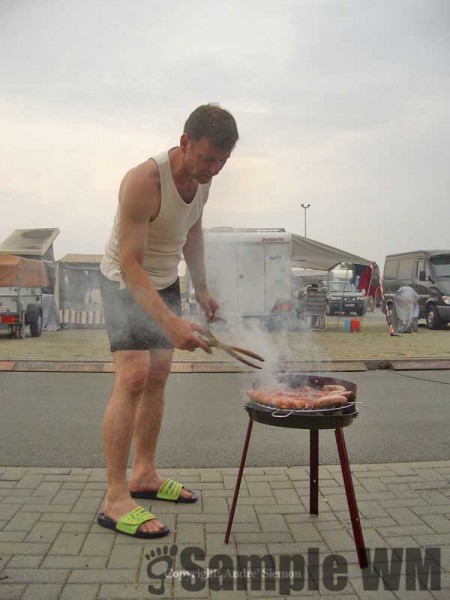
(250, 263)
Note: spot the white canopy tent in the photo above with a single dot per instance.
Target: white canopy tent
(309, 254)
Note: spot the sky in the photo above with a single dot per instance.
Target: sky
(340, 104)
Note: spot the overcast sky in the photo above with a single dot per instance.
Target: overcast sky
(343, 105)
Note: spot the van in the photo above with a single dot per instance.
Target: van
(428, 273)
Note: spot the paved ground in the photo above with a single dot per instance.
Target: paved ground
(52, 549)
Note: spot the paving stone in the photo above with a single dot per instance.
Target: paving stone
(68, 517)
(215, 493)
(211, 475)
(262, 538)
(215, 544)
(284, 509)
(245, 513)
(97, 544)
(252, 549)
(102, 576)
(259, 488)
(432, 539)
(30, 482)
(7, 511)
(75, 562)
(36, 575)
(80, 591)
(76, 528)
(413, 530)
(11, 592)
(87, 505)
(66, 497)
(23, 521)
(43, 508)
(63, 478)
(411, 503)
(128, 592)
(305, 533)
(14, 473)
(205, 518)
(126, 556)
(439, 523)
(25, 561)
(190, 533)
(222, 527)
(433, 497)
(44, 532)
(286, 496)
(214, 505)
(23, 548)
(404, 516)
(338, 540)
(371, 510)
(5, 488)
(48, 489)
(68, 544)
(273, 522)
(42, 591)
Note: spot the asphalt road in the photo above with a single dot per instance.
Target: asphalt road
(54, 420)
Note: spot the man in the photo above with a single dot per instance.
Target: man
(159, 217)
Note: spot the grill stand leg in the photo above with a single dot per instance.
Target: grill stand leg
(314, 472)
(351, 498)
(239, 478)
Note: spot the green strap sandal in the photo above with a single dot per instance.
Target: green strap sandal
(129, 524)
(169, 491)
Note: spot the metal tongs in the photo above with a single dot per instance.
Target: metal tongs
(233, 351)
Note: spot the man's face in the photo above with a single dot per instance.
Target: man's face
(202, 160)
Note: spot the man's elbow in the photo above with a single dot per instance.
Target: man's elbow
(129, 266)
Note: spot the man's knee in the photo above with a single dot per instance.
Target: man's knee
(160, 366)
(132, 372)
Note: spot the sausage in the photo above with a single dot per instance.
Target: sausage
(331, 387)
(331, 401)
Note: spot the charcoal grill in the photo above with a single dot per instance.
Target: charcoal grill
(314, 420)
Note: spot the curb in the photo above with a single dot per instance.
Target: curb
(373, 364)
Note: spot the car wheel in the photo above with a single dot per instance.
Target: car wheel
(36, 326)
(434, 321)
(360, 311)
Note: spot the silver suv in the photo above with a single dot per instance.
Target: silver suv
(343, 297)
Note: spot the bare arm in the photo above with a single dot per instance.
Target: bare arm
(195, 260)
(139, 203)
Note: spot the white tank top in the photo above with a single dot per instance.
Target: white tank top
(167, 233)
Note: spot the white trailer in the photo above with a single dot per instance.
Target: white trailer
(247, 269)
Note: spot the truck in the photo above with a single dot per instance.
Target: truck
(21, 285)
(248, 269)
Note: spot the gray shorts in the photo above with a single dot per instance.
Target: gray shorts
(129, 326)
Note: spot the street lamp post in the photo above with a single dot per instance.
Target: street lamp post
(305, 206)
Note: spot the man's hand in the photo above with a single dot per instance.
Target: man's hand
(182, 335)
(207, 304)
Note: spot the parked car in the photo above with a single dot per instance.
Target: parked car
(428, 273)
(343, 297)
(21, 284)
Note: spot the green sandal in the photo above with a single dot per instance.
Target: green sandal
(168, 491)
(129, 524)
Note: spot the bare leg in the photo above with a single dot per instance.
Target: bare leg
(131, 368)
(147, 424)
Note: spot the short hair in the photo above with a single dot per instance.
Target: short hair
(214, 123)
